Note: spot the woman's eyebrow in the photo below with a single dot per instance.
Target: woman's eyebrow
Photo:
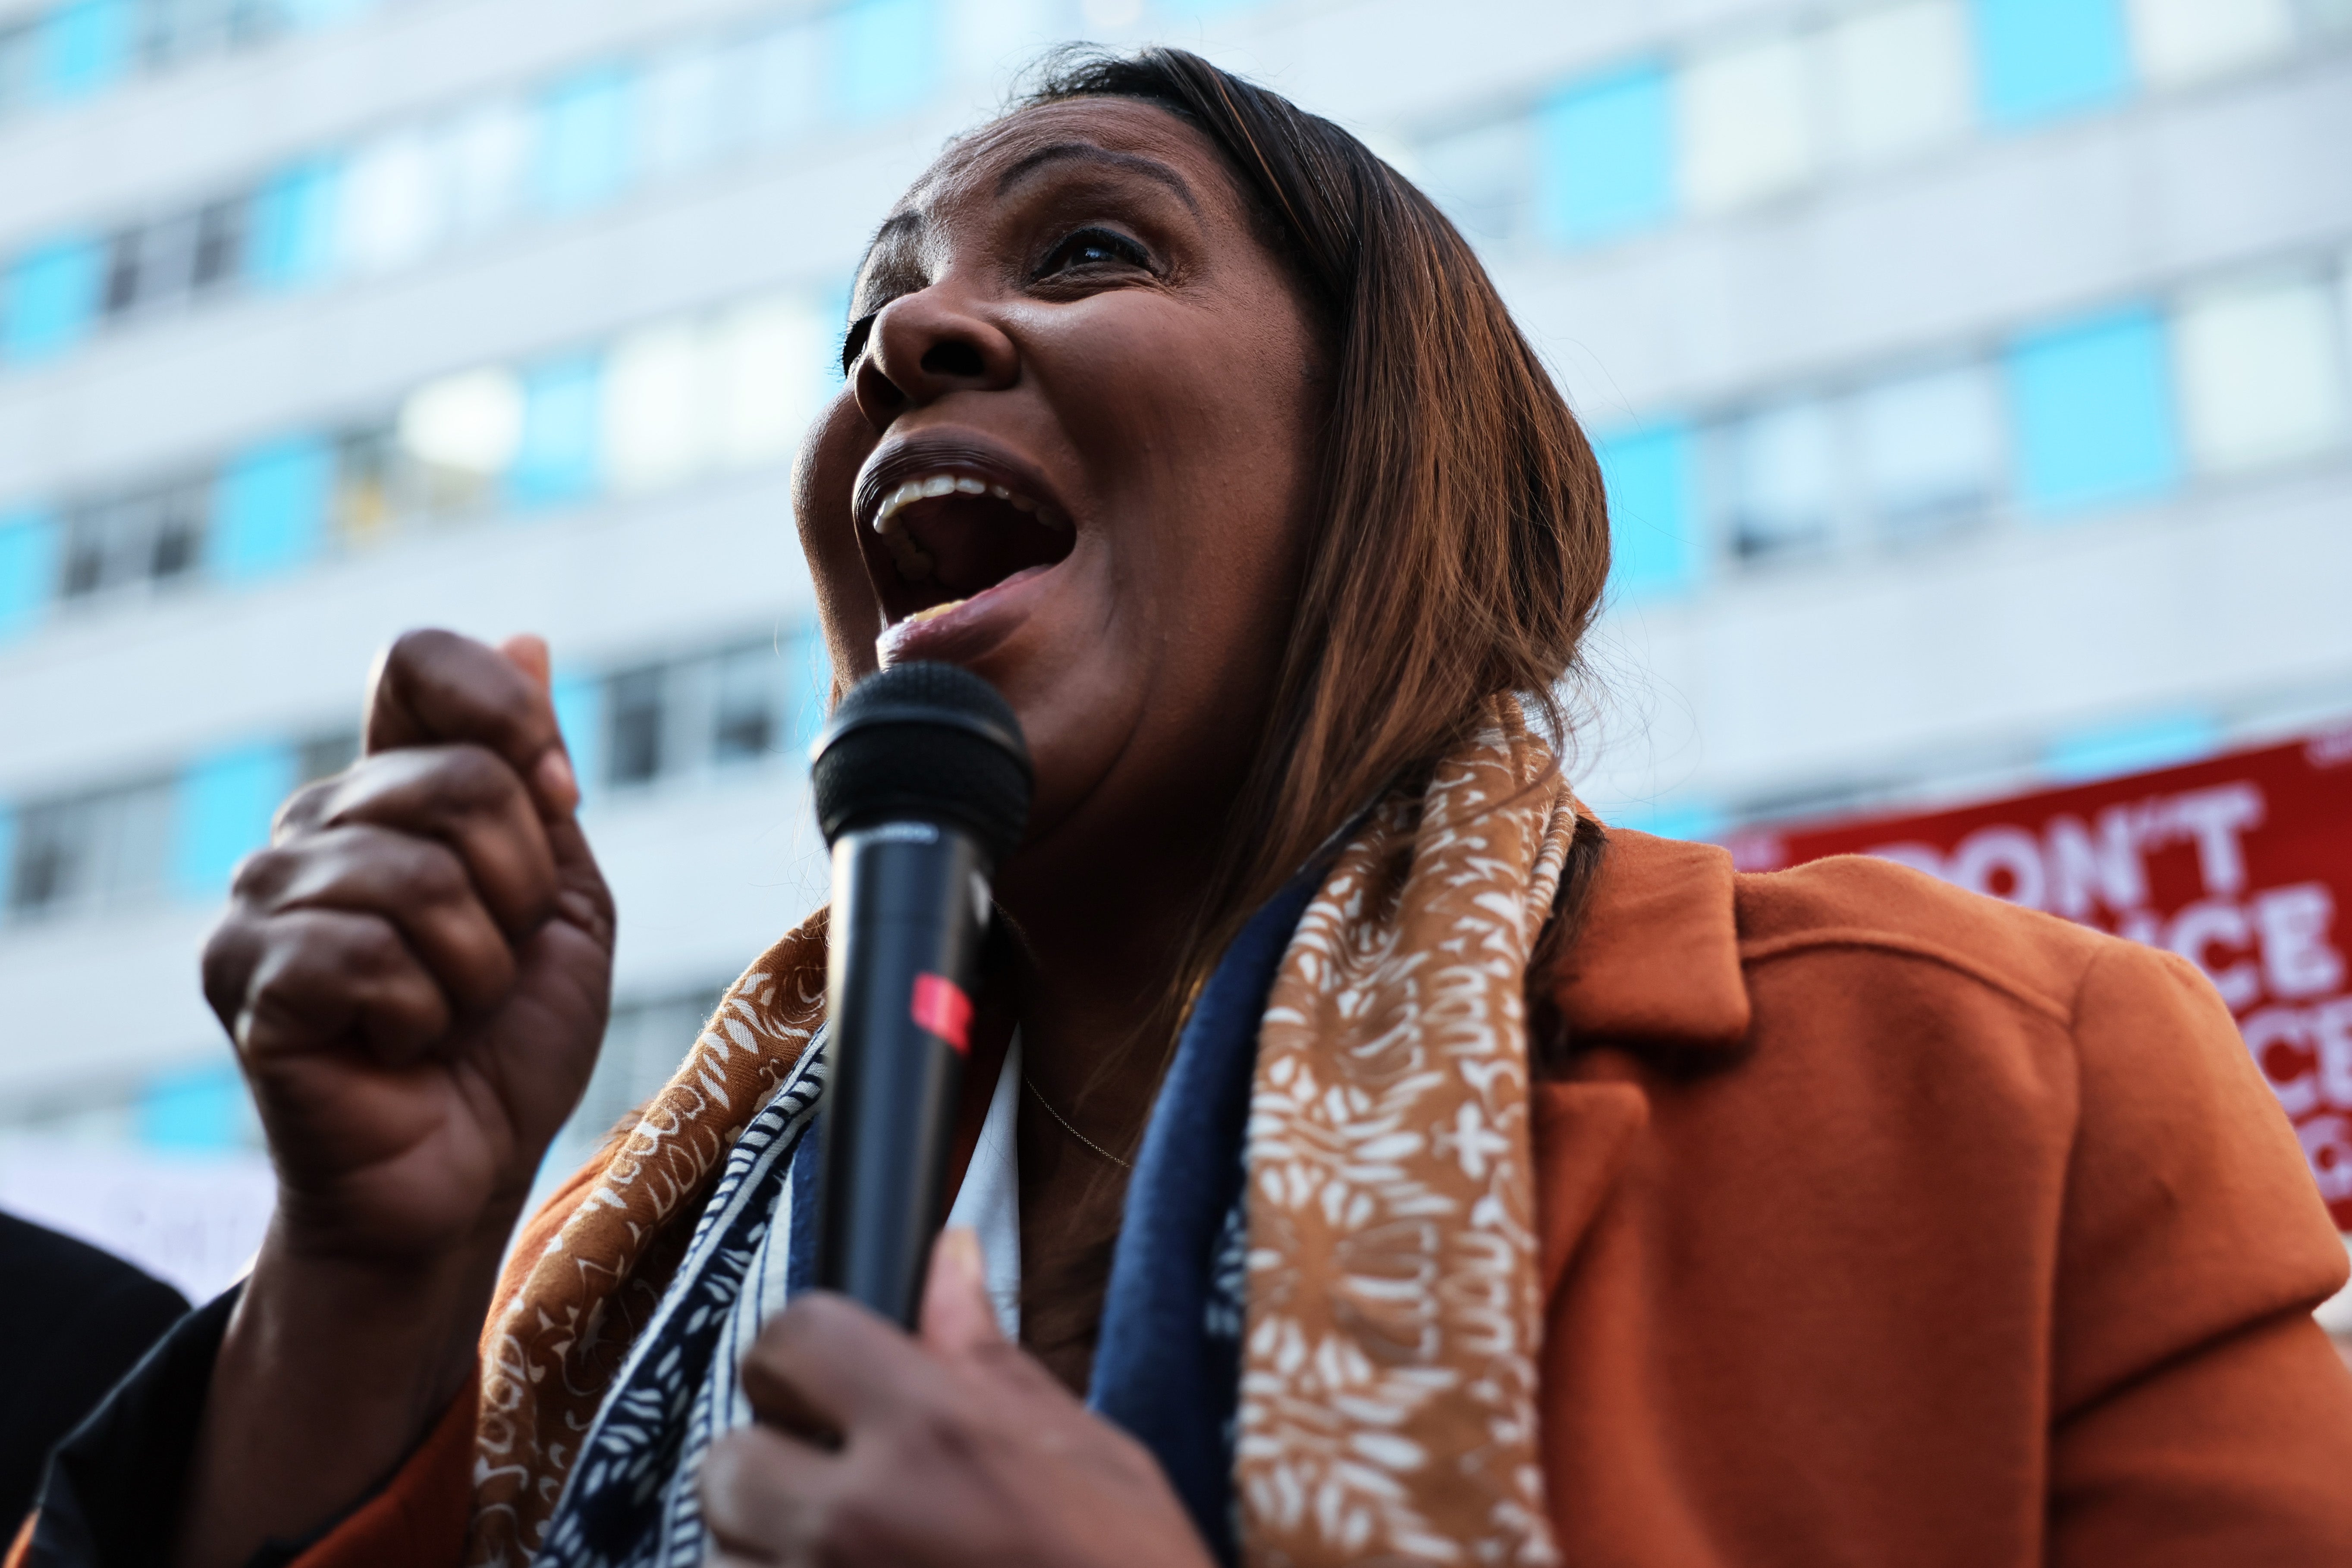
(1029, 163)
(894, 227)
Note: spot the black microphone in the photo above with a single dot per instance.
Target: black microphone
(922, 786)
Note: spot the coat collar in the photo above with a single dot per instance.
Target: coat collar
(1656, 960)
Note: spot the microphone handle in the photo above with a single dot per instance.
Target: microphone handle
(910, 907)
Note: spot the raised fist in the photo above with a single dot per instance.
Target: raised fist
(416, 971)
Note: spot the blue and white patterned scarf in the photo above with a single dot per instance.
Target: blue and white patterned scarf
(635, 1498)
(1168, 1365)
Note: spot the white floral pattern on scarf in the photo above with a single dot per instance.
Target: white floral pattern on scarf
(1389, 1377)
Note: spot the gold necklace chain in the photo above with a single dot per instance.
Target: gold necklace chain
(1064, 1120)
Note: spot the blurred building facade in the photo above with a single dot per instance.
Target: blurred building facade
(1971, 377)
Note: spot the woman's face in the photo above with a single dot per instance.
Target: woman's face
(1075, 455)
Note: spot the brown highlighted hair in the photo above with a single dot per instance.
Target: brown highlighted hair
(1462, 542)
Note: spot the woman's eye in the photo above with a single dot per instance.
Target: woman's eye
(1094, 247)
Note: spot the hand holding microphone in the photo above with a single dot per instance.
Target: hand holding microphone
(951, 1447)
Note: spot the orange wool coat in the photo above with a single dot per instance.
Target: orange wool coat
(1881, 1224)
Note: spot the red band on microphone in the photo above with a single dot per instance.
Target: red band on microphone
(941, 1006)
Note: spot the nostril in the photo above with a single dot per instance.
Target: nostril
(878, 394)
(952, 356)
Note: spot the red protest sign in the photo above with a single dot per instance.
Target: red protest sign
(2240, 865)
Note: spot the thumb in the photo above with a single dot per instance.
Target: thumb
(557, 786)
(527, 652)
(958, 1317)
(553, 780)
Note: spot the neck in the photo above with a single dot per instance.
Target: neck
(1094, 968)
(1086, 967)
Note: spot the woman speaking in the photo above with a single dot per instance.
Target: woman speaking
(1400, 1168)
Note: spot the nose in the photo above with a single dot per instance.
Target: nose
(925, 345)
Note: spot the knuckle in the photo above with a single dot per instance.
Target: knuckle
(478, 778)
(435, 874)
(301, 949)
(723, 1467)
(803, 1331)
(939, 1432)
(771, 1351)
(228, 958)
(419, 647)
(304, 809)
(818, 1313)
(744, 1494)
(262, 875)
(376, 949)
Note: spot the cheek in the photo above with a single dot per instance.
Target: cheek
(1208, 501)
(822, 475)
(1081, 718)
(1212, 429)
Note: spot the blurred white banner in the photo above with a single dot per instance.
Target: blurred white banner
(191, 1220)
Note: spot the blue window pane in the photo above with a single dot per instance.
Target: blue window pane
(269, 511)
(2113, 750)
(557, 459)
(2090, 402)
(28, 569)
(584, 139)
(2040, 58)
(580, 715)
(886, 57)
(1605, 157)
(51, 300)
(194, 1109)
(221, 814)
(293, 224)
(1653, 526)
(8, 855)
(84, 46)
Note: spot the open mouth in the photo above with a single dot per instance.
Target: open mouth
(953, 531)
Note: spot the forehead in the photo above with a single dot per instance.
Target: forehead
(1117, 137)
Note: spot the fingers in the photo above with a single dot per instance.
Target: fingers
(464, 796)
(969, 1455)
(763, 1495)
(957, 1317)
(440, 864)
(557, 786)
(440, 854)
(323, 974)
(827, 1363)
(436, 687)
(419, 884)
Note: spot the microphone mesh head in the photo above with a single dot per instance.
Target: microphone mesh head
(926, 742)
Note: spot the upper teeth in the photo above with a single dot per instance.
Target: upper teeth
(934, 485)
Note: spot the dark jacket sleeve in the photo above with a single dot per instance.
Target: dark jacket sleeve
(112, 1493)
(110, 1497)
(73, 1319)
